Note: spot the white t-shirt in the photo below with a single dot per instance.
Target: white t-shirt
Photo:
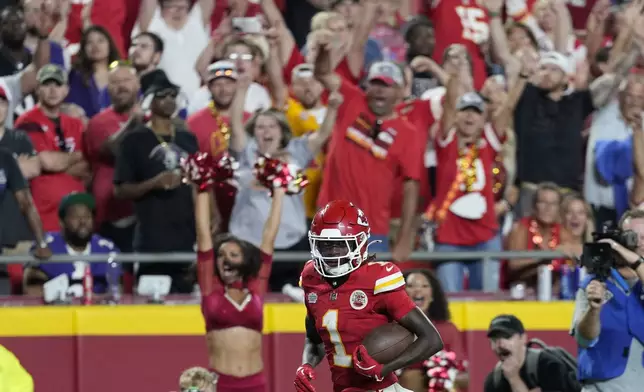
(607, 124)
(181, 48)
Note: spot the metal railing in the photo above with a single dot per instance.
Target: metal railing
(490, 269)
(430, 257)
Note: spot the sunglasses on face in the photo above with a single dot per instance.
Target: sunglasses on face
(166, 93)
(240, 56)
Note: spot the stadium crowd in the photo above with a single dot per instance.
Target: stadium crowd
(505, 124)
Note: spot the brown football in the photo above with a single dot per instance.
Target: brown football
(387, 342)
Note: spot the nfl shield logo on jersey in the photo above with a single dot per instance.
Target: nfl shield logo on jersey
(358, 300)
(312, 298)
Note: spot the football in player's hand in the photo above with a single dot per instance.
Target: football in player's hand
(387, 342)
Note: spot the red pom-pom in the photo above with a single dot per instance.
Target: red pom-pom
(205, 171)
(225, 168)
(273, 173)
(442, 369)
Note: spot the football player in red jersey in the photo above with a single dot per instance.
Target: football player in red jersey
(346, 296)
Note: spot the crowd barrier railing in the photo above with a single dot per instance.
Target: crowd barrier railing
(490, 268)
(430, 257)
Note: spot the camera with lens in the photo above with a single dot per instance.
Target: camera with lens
(599, 257)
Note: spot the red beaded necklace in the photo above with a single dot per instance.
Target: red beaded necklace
(537, 238)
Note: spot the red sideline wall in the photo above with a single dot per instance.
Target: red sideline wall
(145, 348)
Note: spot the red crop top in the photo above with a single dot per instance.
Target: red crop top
(219, 310)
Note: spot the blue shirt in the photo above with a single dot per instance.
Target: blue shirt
(86, 94)
(76, 270)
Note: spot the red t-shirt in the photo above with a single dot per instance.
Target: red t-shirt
(343, 70)
(48, 189)
(455, 229)
(221, 10)
(461, 22)
(206, 129)
(109, 14)
(579, 12)
(296, 59)
(419, 113)
(364, 169)
(99, 129)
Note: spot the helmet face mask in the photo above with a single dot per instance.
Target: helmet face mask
(338, 238)
(338, 256)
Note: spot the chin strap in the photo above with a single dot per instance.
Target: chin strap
(371, 243)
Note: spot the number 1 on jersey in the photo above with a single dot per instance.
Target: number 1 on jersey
(330, 322)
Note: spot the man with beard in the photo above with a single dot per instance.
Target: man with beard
(549, 119)
(76, 238)
(114, 217)
(58, 139)
(147, 171)
(371, 148)
(21, 30)
(145, 55)
(145, 52)
(211, 126)
(522, 369)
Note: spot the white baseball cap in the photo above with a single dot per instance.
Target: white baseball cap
(557, 59)
(222, 69)
(386, 72)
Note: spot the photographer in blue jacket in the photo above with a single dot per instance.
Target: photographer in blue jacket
(608, 324)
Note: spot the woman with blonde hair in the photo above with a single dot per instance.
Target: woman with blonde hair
(578, 224)
(268, 133)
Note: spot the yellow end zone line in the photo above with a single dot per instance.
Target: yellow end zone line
(186, 320)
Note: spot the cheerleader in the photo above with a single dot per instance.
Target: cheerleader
(233, 276)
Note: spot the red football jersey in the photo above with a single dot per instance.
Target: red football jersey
(373, 295)
(363, 165)
(461, 22)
